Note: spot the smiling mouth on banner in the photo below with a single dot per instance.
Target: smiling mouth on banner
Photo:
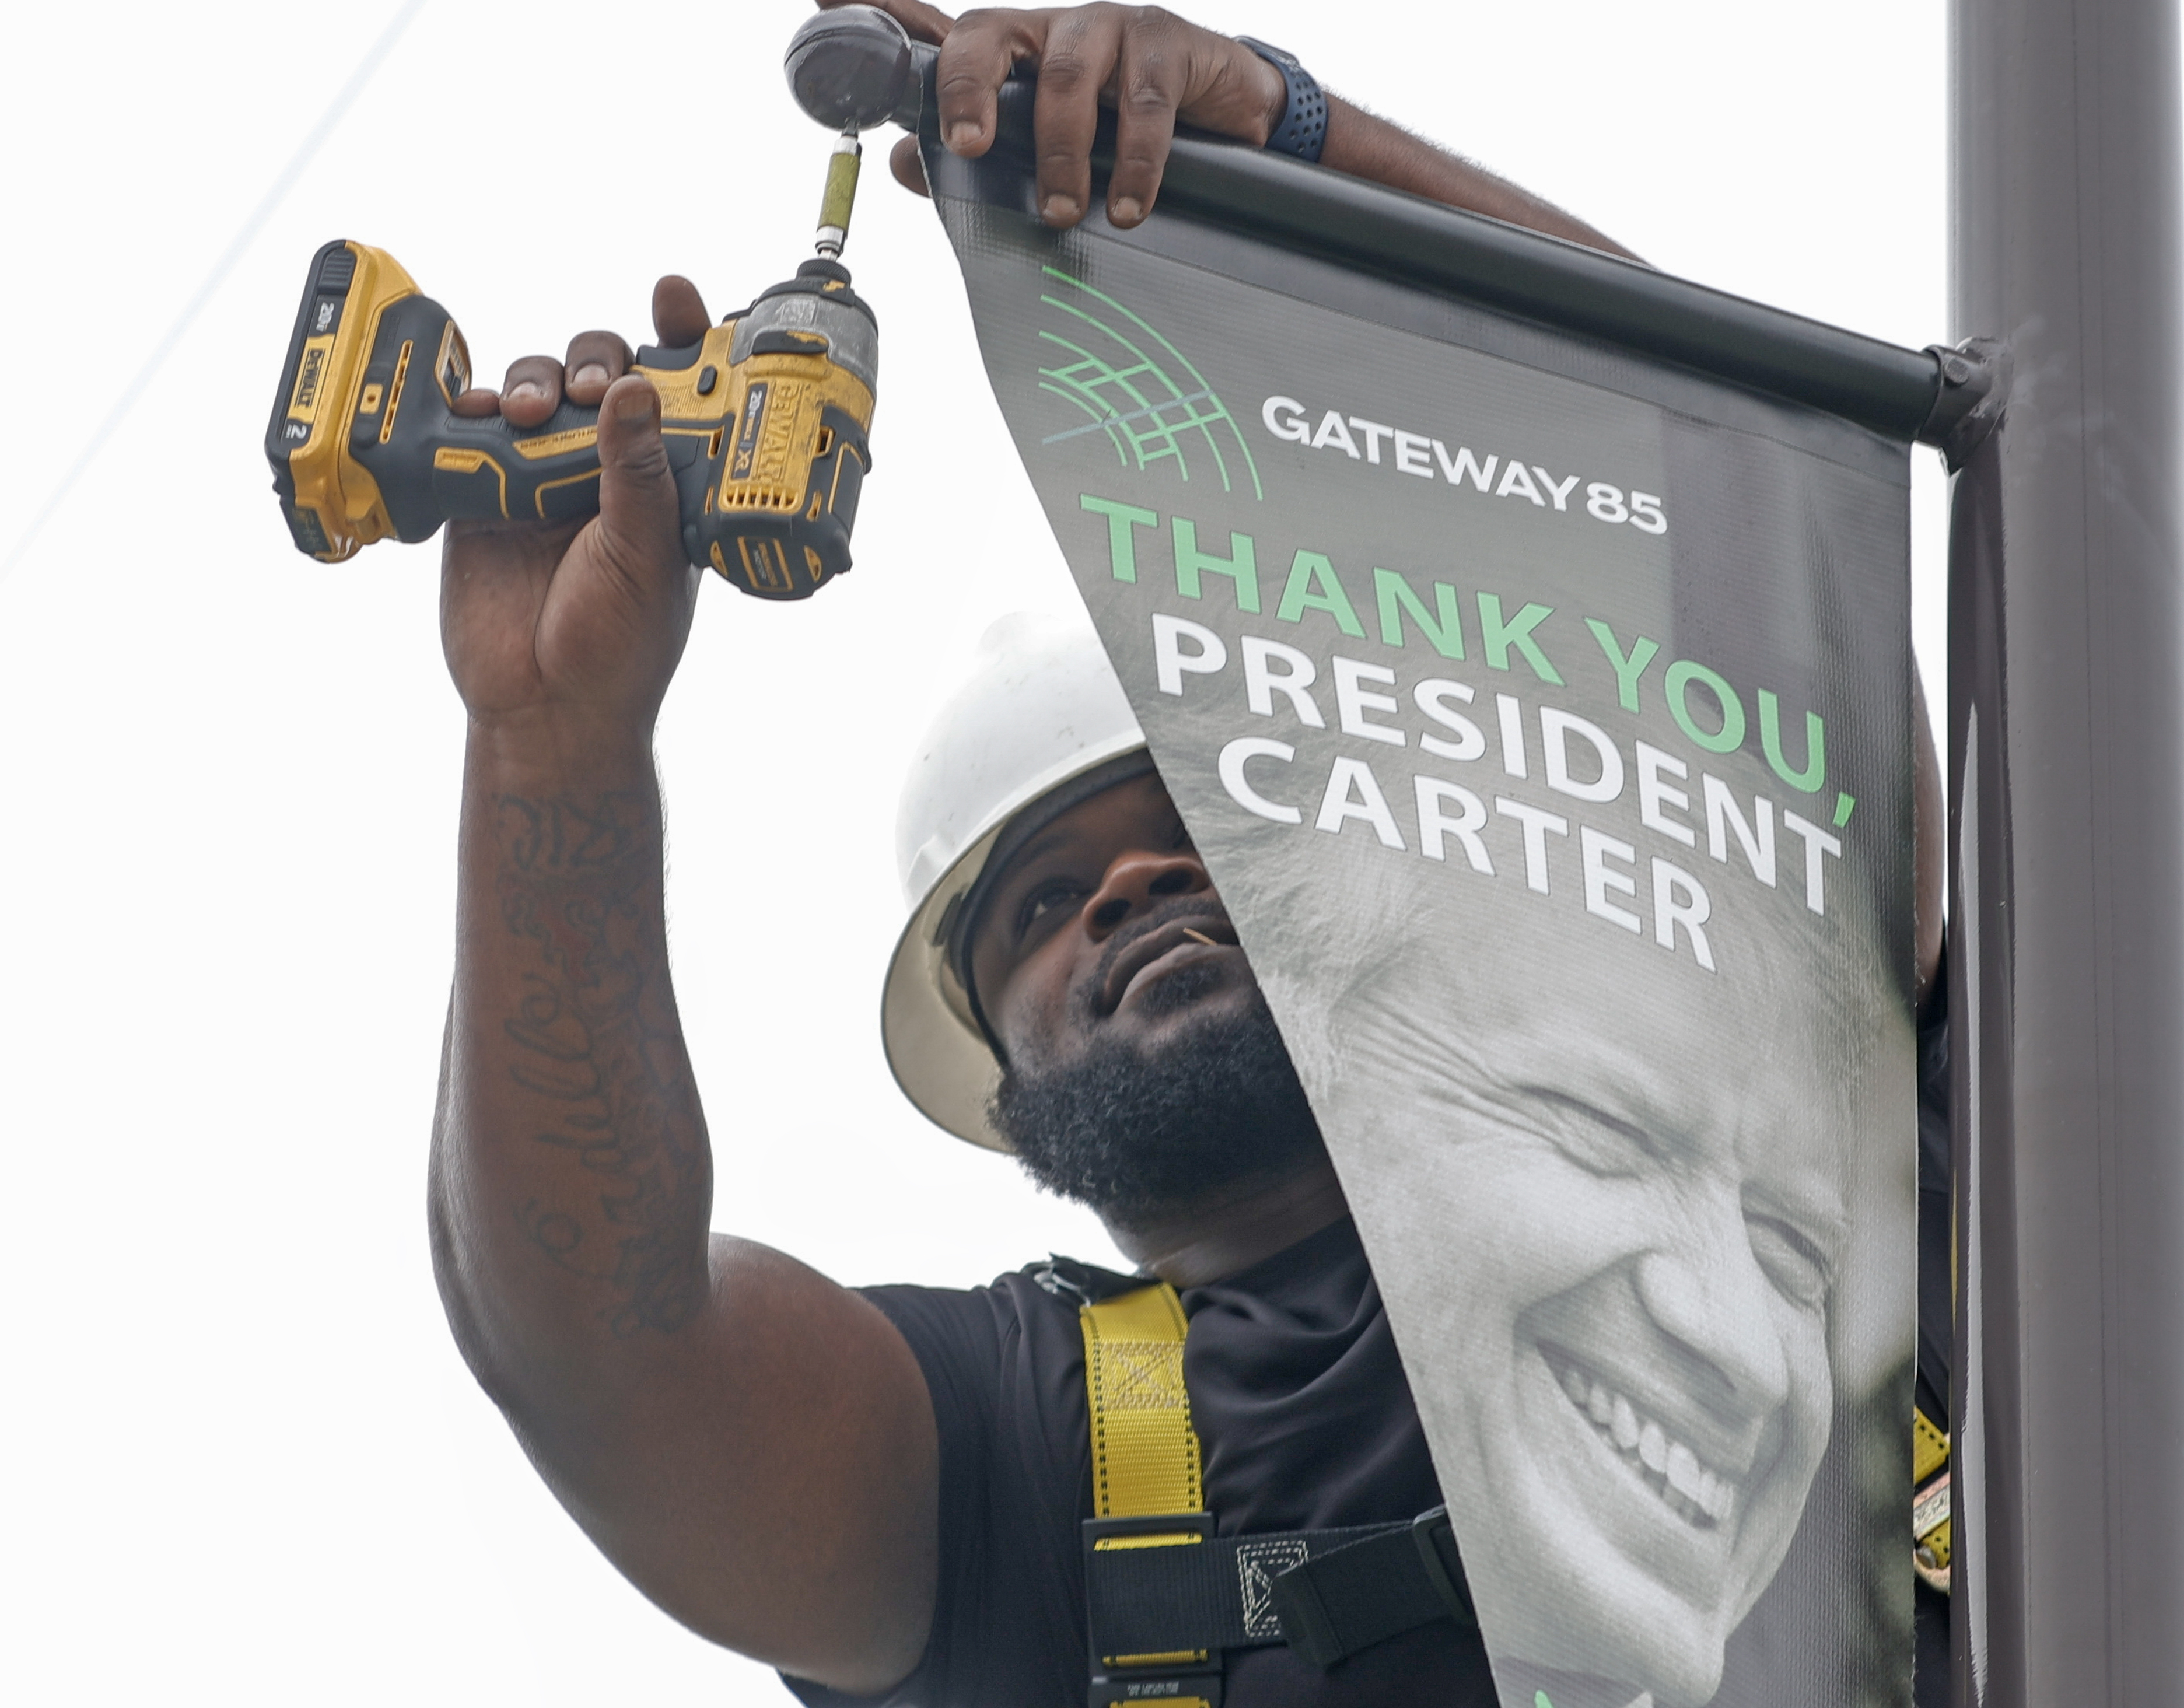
(1693, 1490)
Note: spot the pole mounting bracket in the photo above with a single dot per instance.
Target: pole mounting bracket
(1973, 391)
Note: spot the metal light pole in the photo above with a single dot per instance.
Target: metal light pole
(2067, 759)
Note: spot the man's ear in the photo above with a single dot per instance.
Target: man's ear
(908, 166)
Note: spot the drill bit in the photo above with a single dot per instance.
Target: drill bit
(841, 193)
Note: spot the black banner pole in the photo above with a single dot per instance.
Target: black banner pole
(2067, 757)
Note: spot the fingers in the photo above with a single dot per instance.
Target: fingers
(678, 312)
(1146, 62)
(1152, 78)
(908, 166)
(535, 386)
(1081, 49)
(975, 61)
(925, 22)
(640, 519)
(1150, 65)
(595, 361)
(531, 392)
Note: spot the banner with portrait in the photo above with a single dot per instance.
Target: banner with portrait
(1543, 711)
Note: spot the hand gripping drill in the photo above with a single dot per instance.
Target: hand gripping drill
(766, 418)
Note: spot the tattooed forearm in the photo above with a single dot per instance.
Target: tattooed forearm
(599, 1049)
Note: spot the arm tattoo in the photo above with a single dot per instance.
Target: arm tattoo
(599, 1038)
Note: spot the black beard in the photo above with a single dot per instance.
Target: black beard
(1134, 1137)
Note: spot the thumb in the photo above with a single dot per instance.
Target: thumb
(908, 166)
(640, 513)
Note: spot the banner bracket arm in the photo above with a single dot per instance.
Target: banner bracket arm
(1971, 394)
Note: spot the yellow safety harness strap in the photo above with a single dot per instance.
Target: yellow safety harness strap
(1145, 1465)
(1164, 1594)
(1931, 1512)
(1145, 1452)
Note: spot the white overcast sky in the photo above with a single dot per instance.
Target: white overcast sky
(244, 1462)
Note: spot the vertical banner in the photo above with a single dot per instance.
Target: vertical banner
(1542, 713)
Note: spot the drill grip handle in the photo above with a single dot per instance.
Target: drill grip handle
(430, 463)
(483, 467)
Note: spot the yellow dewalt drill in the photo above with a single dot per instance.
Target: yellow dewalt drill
(766, 418)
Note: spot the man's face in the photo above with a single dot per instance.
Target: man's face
(1081, 935)
(1142, 1073)
(1637, 1264)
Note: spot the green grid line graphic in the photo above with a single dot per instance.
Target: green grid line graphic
(1112, 372)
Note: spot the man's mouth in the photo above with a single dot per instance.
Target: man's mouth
(1174, 942)
(1701, 1494)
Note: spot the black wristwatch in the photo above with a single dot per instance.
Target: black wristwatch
(1303, 129)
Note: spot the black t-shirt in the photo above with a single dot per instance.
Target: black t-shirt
(1305, 1422)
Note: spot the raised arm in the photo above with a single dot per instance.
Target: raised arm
(750, 1444)
(1156, 69)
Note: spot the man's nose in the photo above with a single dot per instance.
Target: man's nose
(1134, 881)
(1710, 1296)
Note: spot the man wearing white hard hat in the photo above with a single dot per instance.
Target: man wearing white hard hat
(885, 1492)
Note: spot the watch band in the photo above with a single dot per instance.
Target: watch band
(1303, 129)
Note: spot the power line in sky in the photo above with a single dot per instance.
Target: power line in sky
(343, 99)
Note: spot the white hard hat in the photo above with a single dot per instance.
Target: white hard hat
(1042, 723)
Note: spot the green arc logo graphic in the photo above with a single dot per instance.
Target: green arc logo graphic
(1113, 371)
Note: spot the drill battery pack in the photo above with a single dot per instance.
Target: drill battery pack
(766, 420)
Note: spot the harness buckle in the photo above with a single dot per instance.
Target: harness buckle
(1184, 1688)
(1434, 1537)
(1184, 1679)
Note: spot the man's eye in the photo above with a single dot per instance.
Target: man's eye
(1596, 1141)
(1798, 1268)
(1043, 899)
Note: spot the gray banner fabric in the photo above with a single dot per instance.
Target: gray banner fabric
(1542, 713)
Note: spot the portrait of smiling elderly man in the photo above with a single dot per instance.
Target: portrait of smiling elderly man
(1653, 1287)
